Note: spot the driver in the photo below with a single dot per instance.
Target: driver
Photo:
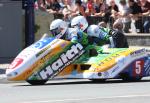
(60, 30)
(99, 35)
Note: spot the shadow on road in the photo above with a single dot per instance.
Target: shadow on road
(84, 82)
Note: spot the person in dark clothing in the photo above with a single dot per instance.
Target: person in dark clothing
(80, 8)
(119, 39)
(113, 12)
(101, 10)
(145, 6)
(135, 12)
(53, 7)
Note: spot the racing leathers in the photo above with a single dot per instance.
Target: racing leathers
(119, 39)
(101, 36)
(75, 36)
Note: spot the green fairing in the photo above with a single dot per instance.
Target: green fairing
(86, 58)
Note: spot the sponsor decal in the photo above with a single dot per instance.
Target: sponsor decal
(42, 43)
(106, 74)
(26, 53)
(63, 45)
(138, 52)
(121, 60)
(147, 67)
(115, 69)
(108, 59)
(138, 68)
(42, 51)
(16, 63)
(62, 61)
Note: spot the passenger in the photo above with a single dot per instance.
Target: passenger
(115, 38)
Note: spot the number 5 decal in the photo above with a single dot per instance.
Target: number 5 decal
(138, 67)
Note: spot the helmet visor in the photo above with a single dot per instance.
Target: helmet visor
(55, 32)
(76, 26)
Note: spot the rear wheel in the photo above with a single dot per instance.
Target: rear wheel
(37, 82)
(125, 77)
(98, 80)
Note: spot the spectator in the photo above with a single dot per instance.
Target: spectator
(79, 10)
(145, 5)
(113, 12)
(101, 9)
(40, 4)
(54, 7)
(124, 14)
(61, 3)
(118, 25)
(113, 9)
(84, 3)
(118, 34)
(90, 8)
(102, 24)
(69, 4)
(97, 4)
(135, 11)
(36, 6)
(68, 9)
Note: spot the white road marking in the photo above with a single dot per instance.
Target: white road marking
(81, 99)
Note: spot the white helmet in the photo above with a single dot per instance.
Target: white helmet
(79, 22)
(58, 28)
(95, 31)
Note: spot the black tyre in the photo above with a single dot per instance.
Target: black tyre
(125, 77)
(98, 80)
(37, 82)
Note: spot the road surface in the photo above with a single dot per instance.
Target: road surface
(76, 91)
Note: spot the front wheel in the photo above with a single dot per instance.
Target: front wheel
(37, 82)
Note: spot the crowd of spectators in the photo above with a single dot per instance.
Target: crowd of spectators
(132, 13)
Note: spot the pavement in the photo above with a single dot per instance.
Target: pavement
(3, 68)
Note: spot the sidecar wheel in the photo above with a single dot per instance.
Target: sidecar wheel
(125, 77)
(97, 80)
(37, 82)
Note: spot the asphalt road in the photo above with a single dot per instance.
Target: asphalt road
(76, 91)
